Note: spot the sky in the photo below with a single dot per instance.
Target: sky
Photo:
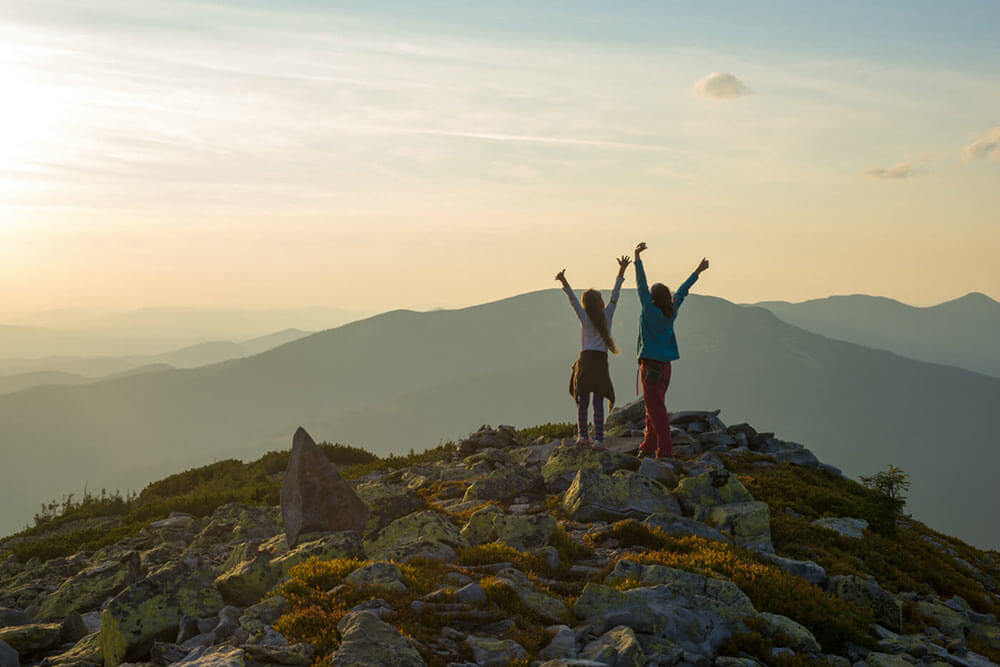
(377, 155)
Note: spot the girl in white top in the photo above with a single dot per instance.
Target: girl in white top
(590, 372)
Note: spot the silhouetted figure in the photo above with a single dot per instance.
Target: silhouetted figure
(590, 372)
(656, 350)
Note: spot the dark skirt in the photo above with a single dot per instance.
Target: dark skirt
(591, 376)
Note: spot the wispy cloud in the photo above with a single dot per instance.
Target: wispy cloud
(720, 86)
(986, 146)
(901, 170)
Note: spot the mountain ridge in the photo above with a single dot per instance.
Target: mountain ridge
(410, 378)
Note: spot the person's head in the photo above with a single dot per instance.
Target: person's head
(662, 299)
(593, 303)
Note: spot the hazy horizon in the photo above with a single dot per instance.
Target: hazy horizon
(378, 156)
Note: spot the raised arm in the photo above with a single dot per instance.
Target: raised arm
(573, 301)
(685, 287)
(640, 277)
(623, 263)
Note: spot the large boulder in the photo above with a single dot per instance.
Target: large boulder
(246, 582)
(368, 641)
(626, 415)
(749, 524)
(618, 647)
(807, 569)
(676, 608)
(426, 533)
(387, 502)
(345, 544)
(503, 484)
(949, 621)
(87, 651)
(524, 533)
(568, 459)
(844, 525)
(27, 639)
(885, 607)
(708, 489)
(492, 652)
(661, 471)
(8, 656)
(314, 497)
(153, 607)
(91, 587)
(254, 571)
(595, 496)
(549, 608)
(799, 637)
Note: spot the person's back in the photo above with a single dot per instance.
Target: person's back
(590, 374)
(657, 340)
(656, 349)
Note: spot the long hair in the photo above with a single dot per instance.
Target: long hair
(593, 303)
(662, 299)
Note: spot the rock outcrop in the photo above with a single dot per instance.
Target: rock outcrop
(314, 497)
(505, 549)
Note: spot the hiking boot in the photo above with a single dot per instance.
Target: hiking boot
(584, 442)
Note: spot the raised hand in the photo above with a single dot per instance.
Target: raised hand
(561, 276)
(703, 266)
(639, 248)
(623, 263)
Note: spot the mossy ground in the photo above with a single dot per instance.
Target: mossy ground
(317, 602)
(831, 620)
(902, 558)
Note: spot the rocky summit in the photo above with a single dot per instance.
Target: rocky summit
(509, 547)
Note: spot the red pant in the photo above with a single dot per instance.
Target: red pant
(654, 391)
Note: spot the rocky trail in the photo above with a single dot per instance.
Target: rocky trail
(505, 549)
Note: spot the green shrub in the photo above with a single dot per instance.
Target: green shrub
(550, 431)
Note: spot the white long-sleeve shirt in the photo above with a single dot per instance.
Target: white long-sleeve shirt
(590, 339)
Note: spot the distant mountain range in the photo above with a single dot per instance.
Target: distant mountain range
(964, 332)
(17, 374)
(150, 331)
(406, 380)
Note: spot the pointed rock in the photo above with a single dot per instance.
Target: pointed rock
(314, 497)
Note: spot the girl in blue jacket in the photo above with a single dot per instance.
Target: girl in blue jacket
(656, 350)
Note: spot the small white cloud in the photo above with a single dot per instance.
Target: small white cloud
(720, 86)
(986, 146)
(904, 169)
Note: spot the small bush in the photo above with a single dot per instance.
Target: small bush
(550, 431)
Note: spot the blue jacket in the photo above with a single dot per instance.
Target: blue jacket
(656, 331)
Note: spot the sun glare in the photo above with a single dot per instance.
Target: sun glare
(29, 118)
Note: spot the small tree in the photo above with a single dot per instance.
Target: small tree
(892, 483)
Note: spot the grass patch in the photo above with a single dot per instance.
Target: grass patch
(496, 552)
